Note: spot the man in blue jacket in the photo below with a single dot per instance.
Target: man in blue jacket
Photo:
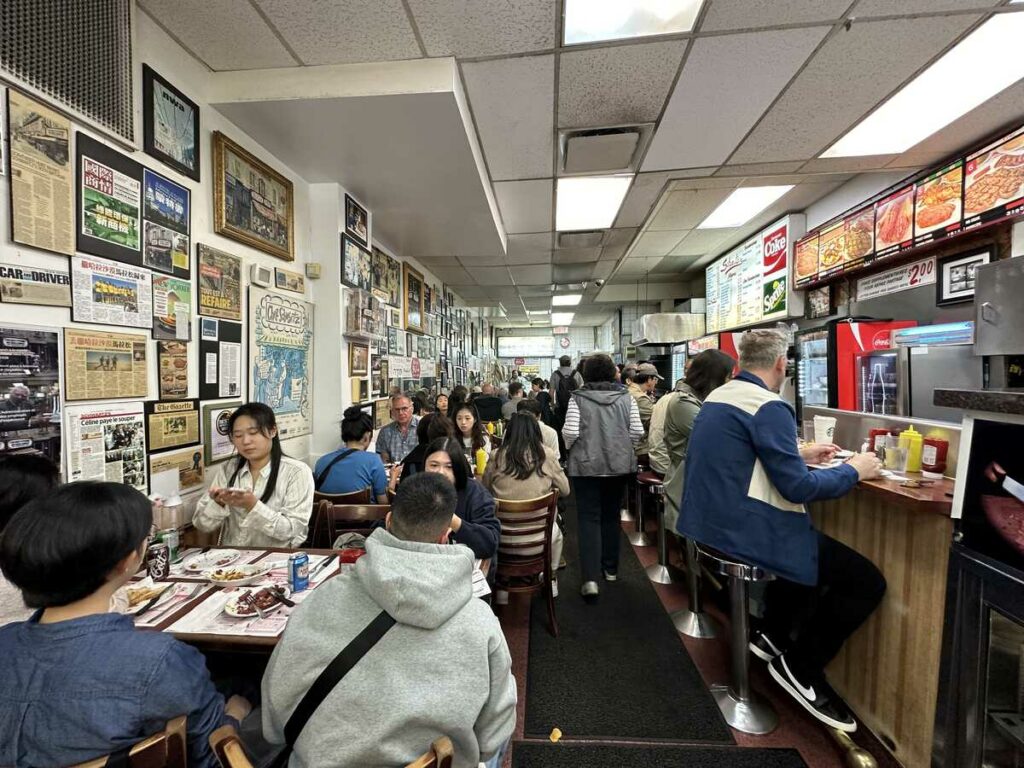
(746, 484)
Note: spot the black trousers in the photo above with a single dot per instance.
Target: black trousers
(598, 501)
(818, 620)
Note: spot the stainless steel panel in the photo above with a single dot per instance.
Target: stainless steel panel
(955, 367)
(667, 328)
(999, 308)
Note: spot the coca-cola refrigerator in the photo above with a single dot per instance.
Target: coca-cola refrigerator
(826, 367)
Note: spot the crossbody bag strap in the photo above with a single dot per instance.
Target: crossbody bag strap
(332, 675)
(327, 470)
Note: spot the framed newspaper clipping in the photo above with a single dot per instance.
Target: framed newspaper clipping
(103, 366)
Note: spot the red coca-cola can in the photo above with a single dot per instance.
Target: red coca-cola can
(158, 561)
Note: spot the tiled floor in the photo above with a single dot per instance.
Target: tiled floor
(796, 728)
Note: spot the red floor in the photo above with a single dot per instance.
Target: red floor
(797, 729)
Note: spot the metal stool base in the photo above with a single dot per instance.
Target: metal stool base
(660, 574)
(640, 539)
(626, 516)
(698, 625)
(754, 715)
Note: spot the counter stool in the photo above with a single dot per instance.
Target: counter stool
(660, 572)
(742, 708)
(644, 481)
(693, 621)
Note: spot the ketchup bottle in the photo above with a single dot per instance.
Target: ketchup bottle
(933, 457)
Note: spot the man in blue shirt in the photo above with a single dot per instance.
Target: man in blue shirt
(746, 484)
(397, 439)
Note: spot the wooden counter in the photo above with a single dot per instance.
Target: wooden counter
(888, 671)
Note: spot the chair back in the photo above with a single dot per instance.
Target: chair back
(335, 519)
(524, 525)
(228, 748)
(439, 755)
(166, 749)
(365, 496)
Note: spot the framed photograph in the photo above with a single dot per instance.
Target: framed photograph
(167, 225)
(396, 341)
(358, 359)
(171, 424)
(360, 390)
(170, 124)
(355, 264)
(109, 202)
(357, 221)
(252, 203)
(216, 436)
(820, 302)
(413, 303)
(956, 276)
(289, 281)
(381, 412)
(172, 364)
(384, 385)
(395, 317)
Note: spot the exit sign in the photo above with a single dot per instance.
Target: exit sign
(559, 329)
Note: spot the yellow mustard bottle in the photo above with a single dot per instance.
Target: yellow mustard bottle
(912, 440)
(481, 461)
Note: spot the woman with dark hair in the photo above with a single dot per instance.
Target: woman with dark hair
(523, 468)
(441, 403)
(431, 427)
(601, 421)
(78, 681)
(353, 468)
(262, 498)
(470, 431)
(459, 395)
(707, 372)
(24, 477)
(473, 522)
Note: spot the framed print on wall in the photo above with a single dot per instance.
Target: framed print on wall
(956, 276)
(355, 264)
(357, 221)
(252, 203)
(358, 359)
(413, 299)
(216, 436)
(170, 121)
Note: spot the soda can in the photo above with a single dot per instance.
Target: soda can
(298, 571)
(158, 561)
(169, 536)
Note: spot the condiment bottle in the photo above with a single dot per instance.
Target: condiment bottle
(481, 461)
(933, 457)
(910, 439)
(876, 439)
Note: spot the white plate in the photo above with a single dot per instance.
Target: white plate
(253, 574)
(215, 558)
(231, 606)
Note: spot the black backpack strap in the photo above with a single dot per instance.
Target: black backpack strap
(327, 470)
(333, 673)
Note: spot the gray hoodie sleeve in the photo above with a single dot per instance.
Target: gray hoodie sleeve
(497, 720)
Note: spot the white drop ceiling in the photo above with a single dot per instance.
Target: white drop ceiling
(752, 96)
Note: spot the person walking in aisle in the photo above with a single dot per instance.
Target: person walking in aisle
(601, 419)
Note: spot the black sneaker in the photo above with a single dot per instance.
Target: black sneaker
(813, 693)
(762, 646)
(610, 576)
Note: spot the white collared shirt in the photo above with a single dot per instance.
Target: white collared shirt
(283, 521)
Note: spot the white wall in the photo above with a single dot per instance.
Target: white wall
(855, 191)
(581, 342)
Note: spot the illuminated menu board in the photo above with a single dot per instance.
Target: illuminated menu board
(994, 185)
(750, 284)
(696, 346)
(938, 208)
(894, 222)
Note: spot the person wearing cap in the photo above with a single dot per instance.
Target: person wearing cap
(641, 388)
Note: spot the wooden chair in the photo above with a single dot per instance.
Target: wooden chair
(334, 519)
(166, 749)
(228, 748)
(439, 755)
(364, 496)
(532, 518)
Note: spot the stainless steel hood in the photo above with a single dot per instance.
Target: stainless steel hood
(667, 328)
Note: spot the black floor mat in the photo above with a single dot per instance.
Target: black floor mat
(618, 669)
(527, 755)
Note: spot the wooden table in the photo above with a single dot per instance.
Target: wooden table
(888, 671)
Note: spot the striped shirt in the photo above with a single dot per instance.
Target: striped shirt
(392, 445)
(571, 430)
(283, 521)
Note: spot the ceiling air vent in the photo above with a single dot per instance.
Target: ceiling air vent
(603, 150)
(590, 239)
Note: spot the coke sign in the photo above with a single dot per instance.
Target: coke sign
(774, 247)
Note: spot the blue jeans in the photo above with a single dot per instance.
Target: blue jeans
(598, 501)
(495, 762)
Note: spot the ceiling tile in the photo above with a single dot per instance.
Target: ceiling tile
(613, 252)
(438, 261)
(537, 302)
(637, 267)
(847, 164)
(225, 34)
(754, 14)
(488, 260)
(540, 289)
(619, 236)
(867, 8)
(343, 32)
(708, 182)
(573, 273)
(530, 245)
(685, 209)
(453, 275)
(673, 265)
(469, 291)
(575, 255)
(525, 205)
(641, 196)
(616, 85)
(701, 241)
(851, 73)
(484, 27)
(655, 244)
(513, 106)
(490, 275)
(759, 169)
(602, 269)
(536, 275)
(700, 127)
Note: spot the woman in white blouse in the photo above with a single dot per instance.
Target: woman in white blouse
(263, 498)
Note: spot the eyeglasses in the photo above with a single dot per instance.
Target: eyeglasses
(402, 409)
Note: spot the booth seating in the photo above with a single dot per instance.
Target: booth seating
(364, 496)
(652, 484)
(165, 749)
(741, 707)
(692, 621)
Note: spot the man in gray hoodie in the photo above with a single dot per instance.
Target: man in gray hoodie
(442, 669)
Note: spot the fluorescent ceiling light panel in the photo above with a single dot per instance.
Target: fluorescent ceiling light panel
(743, 205)
(562, 318)
(536, 311)
(587, 21)
(589, 202)
(566, 300)
(981, 65)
